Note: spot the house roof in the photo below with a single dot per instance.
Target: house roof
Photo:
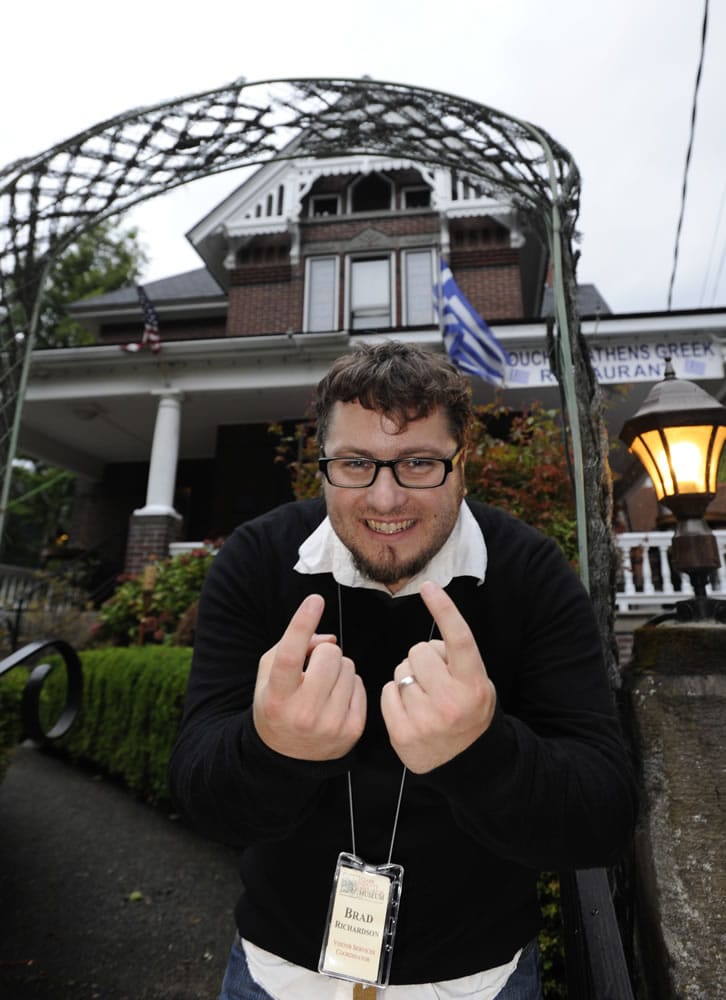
(589, 302)
(197, 285)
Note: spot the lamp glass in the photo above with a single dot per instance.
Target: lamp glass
(678, 459)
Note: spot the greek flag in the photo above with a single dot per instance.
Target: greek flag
(469, 342)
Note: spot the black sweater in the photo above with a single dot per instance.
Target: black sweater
(546, 787)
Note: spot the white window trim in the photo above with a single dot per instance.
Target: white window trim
(433, 260)
(307, 288)
(373, 255)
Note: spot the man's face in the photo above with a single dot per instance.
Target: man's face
(392, 531)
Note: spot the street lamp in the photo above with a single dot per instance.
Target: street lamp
(678, 434)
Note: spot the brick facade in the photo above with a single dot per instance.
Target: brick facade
(265, 300)
(266, 291)
(149, 539)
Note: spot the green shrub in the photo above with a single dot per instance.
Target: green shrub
(551, 941)
(148, 608)
(132, 705)
(11, 694)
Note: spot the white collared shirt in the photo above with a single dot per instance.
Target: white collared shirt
(464, 553)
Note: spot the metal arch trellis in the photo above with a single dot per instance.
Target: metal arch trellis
(48, 200)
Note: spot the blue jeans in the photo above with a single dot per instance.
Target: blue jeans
(523, 984)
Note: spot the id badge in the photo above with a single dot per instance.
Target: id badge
(361, 924)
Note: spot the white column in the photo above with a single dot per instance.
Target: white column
(164, 454)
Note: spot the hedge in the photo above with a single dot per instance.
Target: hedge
(11, 694)
(132, 705)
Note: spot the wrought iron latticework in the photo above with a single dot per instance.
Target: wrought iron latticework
(48, 200)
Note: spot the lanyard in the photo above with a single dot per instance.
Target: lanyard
(350, 781)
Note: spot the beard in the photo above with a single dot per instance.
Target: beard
(388, 569)
(384, 563)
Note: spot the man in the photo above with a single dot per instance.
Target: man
(391, 631)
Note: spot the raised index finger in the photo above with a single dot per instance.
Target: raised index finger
(462, 653)
(293, 648)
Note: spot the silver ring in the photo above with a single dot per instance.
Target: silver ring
(408, 679)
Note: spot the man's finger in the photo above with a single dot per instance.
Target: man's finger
(294, 647)
(462, 653)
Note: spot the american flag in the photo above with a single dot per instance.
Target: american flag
(469, 341)
(150, 336)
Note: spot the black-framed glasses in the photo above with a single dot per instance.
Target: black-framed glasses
(414, 472)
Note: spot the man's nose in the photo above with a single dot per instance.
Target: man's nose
(385, 491)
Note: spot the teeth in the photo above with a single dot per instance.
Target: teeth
(386, 528)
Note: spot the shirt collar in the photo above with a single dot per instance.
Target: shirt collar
(464, 553)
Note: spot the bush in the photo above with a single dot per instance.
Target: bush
(149, 607)
(132, 707)
(11, 694)
(551, 942)
(517, 461)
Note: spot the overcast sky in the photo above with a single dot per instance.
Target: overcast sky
(613, 82)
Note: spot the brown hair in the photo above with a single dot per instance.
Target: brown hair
(404, 382)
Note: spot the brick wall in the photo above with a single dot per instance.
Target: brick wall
(265, 300)
(491, 281)
(266, 293)
(393, 226)
(149, 538)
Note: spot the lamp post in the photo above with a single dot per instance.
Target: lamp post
(678, 434)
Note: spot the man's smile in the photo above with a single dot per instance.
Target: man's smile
(389, 527)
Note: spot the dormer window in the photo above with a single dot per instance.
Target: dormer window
(371, 193)
(324, 205)
(417, 197)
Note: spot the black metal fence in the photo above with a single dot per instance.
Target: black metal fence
(33, 727)
(594, 955)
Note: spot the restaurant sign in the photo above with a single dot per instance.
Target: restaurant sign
(624, 360)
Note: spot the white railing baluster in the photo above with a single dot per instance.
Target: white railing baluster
(643, 590)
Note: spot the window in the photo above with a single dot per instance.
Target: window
(418, 273)
(321, 294)
(325, 204)
(370, 293)
(417, 197)
(371, 193)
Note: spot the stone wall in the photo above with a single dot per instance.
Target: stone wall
(675, 687)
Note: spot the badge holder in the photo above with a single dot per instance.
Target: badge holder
(361, 924)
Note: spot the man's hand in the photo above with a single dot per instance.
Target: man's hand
(452, 702)
(309, 702)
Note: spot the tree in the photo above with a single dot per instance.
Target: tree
(40, 502)
(517, 461)
(101, 260)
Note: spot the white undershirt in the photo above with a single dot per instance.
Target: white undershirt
(285, 981)
(463, 554)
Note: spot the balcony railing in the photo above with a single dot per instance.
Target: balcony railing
(647, 582)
